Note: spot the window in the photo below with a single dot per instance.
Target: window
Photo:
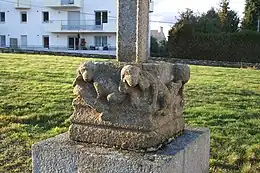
(46, 41)
(13, 42)
(101, 17)
(2, 41)
(98, 18)
(45, 15)
(104, 17)
(71, 2)
(2, 16)
(23, 40)
(67, 2)
(151, 6)
(100, 41)
(24, 16)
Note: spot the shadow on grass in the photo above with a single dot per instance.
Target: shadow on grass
(9, 108)
(242, 93)
(47, 122)
(46, 116)
(225, 166)
(46, 77)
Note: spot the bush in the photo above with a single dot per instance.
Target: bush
(242, 46)
(158, 49)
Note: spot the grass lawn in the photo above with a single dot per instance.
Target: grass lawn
(36, 95)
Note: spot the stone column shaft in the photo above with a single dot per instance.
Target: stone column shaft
(142, 30)
(126, 30)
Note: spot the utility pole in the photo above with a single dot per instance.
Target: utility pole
(258, 24)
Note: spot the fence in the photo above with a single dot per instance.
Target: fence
(57, 47)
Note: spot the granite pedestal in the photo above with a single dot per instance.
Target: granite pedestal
(188, 153)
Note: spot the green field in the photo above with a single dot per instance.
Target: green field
(36, 95)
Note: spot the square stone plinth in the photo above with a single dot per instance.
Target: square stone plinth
(188, 153)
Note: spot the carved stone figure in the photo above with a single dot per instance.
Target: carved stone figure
(133, 103)
(133, 77)
(141, 102)
(87, 73)
(105, 87)
(181, 73)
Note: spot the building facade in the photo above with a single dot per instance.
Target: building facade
(58, 24)
(159, 35)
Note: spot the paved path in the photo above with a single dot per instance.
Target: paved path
(92, 52)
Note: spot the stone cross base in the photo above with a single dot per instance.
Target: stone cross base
(129, 106)
(188, 153)
(127, 138)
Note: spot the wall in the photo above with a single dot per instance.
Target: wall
(62, 39)
(111, 39)
(35, 28)
(13, 28)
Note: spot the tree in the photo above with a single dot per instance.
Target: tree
(187, 17)
(223, 20)
(185, 25)
(209, 22)
(163, 48)
(223, 14)
(233, 21)
(229, 19)
(251, 15)
(159, 49)
(154, 46)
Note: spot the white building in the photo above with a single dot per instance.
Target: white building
(58, 24)
(73, 24)
(159, 35)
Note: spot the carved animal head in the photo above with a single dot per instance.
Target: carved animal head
(87, 70)
(124, 87)
(181, 73)
(130, 75)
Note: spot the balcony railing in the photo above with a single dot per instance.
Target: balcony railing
(22, 4)
(82, 27)
(90, 25)
(63, 3)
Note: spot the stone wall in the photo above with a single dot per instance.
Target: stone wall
(172, 60)
(210, 63)
(46, 52)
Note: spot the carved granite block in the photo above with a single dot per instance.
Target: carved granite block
(126, 30)
(127, 105)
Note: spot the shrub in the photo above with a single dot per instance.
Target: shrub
(242, 46)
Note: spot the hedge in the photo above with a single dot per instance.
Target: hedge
(242, 46)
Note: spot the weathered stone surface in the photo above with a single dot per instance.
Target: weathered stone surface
(131, 106)
(126, 30)
(188, 153)
(127, 138)
(142, 26)
(132, 30)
